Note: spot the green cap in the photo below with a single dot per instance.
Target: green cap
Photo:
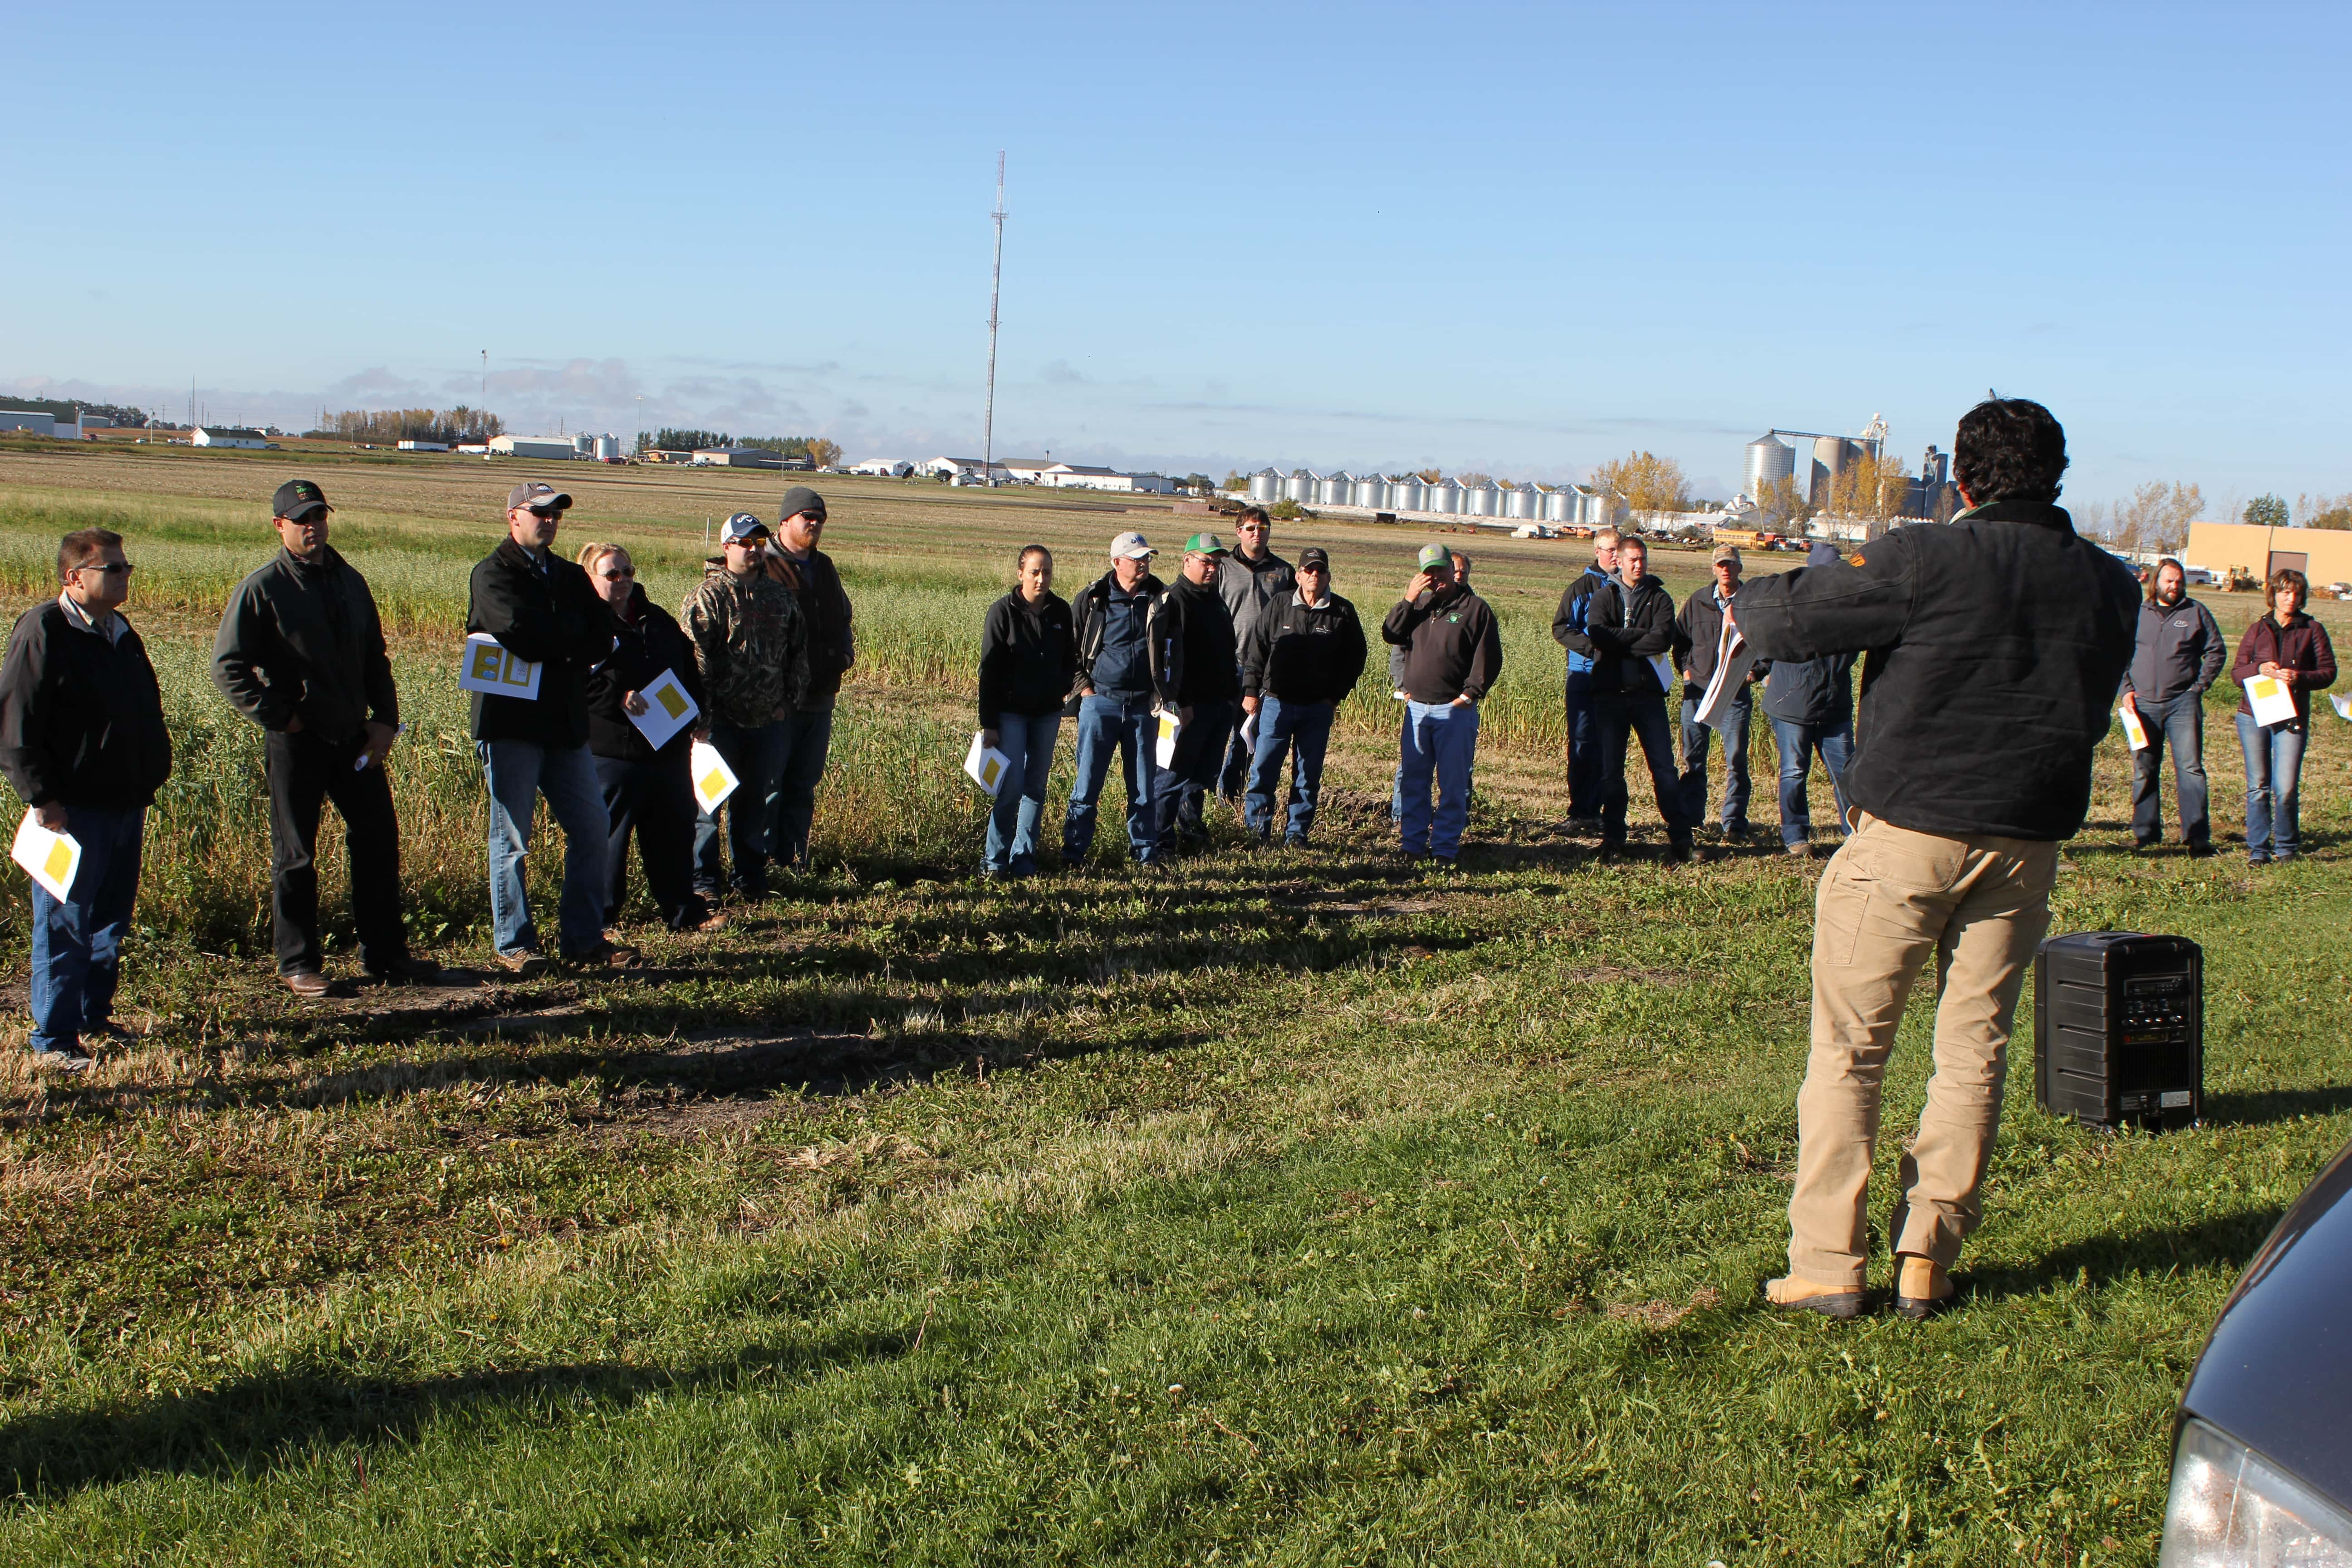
(1431, 555)
(1203, 544)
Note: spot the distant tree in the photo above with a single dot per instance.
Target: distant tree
(2158, 516)
(2267, 511)
(1200, 484)
(1233, 481)
(1473, 478)
(782, 445)
(644, 441)
(1647, 481)
(670, 440)
(2325, 511)
(1781, 507)
(64, 409)
(1284, 509)
(1870, 487)
(452, 426)
(824, 452)
(1431, 476)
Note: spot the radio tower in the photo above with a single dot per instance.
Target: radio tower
(995, 287)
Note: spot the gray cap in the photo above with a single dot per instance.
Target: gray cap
(798, 500)
(1131, 546)
(538, 496)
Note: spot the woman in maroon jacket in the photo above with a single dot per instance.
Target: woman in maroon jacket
(2291, 645)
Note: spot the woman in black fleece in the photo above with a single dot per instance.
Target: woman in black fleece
(1028, 659)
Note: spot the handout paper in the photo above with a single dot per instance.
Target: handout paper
(714, 780)
(985, 764)
(488, 667)
(2135, 730)
(2268, 696)
(52, 860)
(1666, 673)
(2342, 705)
(1171, 726)
(669, 709)
(1732, 663)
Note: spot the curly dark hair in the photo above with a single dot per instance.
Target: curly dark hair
(2009, 449)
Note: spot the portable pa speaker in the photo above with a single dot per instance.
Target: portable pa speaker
(2119, 1029)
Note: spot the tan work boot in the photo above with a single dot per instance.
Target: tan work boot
(1796, 1295)
(1922, 1287)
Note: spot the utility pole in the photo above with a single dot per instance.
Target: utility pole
(995, 288)
(486, 378)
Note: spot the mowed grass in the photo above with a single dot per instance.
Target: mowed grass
(1290, 1209)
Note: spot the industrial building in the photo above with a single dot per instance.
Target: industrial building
(227, 435)
(2322, 554)
(424, 446)
(736, 457)
(33, 422)
(556, 448)
(884, 467)
(1048, 473)
(1566, 506)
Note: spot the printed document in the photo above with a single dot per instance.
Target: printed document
(50, 858)
(669, 709)
(488, 667)
(985, 763)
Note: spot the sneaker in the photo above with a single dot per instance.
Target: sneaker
(65, 1059)
(408, 970)
(1799, 851)
(307, 983)
(1922, 1287)
(527, 963)
(1791, 1294)
(607, 954)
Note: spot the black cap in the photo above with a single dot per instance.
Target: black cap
(298, 499)
(1315, 555)
(801, 499)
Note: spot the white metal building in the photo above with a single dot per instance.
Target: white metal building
(226, 436)
(736, 458)
(557, 448)
(424, 446)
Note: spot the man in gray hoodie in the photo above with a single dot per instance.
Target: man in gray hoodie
(2179, 654)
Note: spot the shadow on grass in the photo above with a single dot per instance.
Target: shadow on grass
(2225, 1241)
(2265, 1106)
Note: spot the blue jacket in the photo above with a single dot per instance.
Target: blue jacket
(1570, 618)
(1815, 691)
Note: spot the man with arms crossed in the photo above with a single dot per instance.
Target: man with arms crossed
(1131, 659)
(1453, 652)
(301, 653)
(1305, 654)
(807, 728)
(1250, 578)
(1583, 728)
(1993, 647)
(2179, 653)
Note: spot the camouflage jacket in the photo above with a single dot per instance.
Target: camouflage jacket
(750, 645)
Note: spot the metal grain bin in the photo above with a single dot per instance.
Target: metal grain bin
(1265, 486)
(1370, 492)
(1333, 490)
(1299, 485)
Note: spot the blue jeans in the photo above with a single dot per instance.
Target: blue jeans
(517, 772)
(756, 754)
(1303, 731)
(1182, 788)
(1623, 717)
(1736, 783)
(2180, 724)
(1027, 743)
(78, 944)
(1583, 748)
(808, 742)
(1128, 725)
(2273, 786)
(1798, 742)
(1440, 740)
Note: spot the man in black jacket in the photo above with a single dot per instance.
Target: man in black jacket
(1130, 645)
(1698, 639)
(541, 608)
(1251, 577)
(1809, 703)
(2179, 653)
(1028, 658)
(807, 730)
(1629, 635)
(301, 653)
(1305, 654)
(1992, 646)
(1454, 653)
(1583, 731)
(83, 743)
(1208, 697)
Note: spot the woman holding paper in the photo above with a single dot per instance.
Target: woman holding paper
(641, 745)
(1028, 658)
(2283, 657)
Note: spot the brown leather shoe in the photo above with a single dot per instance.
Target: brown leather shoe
(1794, 1295)
(714, 921)
(1922, 1287)
(307, 983)
(604, 956)
(526, 964)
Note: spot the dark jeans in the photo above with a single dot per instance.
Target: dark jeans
(654, 798)
(2178, 723)
(2273, 786)
(1182, 787)
(77, 945)
(1238, 756)
(1736, 783)
(1583, 748)
(1798, 742)
(1301, 730)
(1129, 727)
(1622, 716)
(808, 742)
(305, 772)
(756, 754)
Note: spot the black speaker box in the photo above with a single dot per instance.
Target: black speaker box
(2119, 1029)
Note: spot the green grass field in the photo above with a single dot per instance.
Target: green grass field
(1291, 1209)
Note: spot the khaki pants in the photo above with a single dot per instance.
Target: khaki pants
(1890, 899)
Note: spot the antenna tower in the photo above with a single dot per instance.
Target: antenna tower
(995, 288)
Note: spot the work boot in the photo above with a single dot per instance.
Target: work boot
(307, 983)
(1794, 1295)
(1922, 1287)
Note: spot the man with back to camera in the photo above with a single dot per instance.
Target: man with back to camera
(1453, 653)
(1992, 646)
(1305, 654)
(1131, 657)
(301, 652)
(1208, 697)
(1629, 633)
(1698, 628)
(1250, 578)
(1809, 703)
(750, 650)
(542, 609)
(83, 744)
(826, 610)
(1583, 731)
(2178, 653)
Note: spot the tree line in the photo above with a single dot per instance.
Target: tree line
(110, 412)
(450, 427)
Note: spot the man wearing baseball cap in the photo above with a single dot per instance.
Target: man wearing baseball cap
(1698, 635)
(301, 652)
(1131, 659)
(542, 609)
(1453, 652)
(1251, 577)
(751, 647)
(1208, 696)
(1305, 654)
(809, 572)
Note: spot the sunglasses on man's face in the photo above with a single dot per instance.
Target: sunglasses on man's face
(548, 514)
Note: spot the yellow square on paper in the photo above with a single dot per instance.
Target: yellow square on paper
(58, 862)
(672, 701)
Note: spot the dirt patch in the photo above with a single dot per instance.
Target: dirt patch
(1658, 1316)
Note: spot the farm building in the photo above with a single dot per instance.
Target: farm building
(736, 458)
(2322, 554)
(884, 467)
(1080, 477)
(545, 447)
(424, 446)
(226, 436)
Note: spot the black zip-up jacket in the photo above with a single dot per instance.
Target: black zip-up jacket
(645, 642)
(1992, 646)
(1621, 646)
(1305, 653)
(81, 720)
(303, 641)
(1211, 657)
(1453, 646)
(1028, 657)
(556, 621)
(824, 608)
(1163, 636)
(2178, 651)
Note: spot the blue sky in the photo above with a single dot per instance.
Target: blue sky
(1516, 238)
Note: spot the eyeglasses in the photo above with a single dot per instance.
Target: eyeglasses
(552, 513)
(112, 568)
(621, 575)
(748, 542)
(1315, 571)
